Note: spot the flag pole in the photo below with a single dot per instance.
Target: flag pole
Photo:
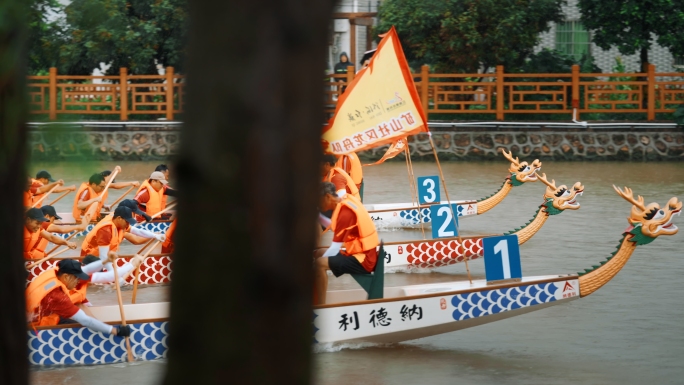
(412, 176)
(453, 214)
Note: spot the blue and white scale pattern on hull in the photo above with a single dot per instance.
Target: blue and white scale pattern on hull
(157, 227)
(413, 217)
(82, 346)
(483, 303)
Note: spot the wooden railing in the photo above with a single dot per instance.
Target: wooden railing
(55, 95)
(607, 94)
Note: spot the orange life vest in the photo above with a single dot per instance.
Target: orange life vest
(37, 290)
(157, 201)
(167, 246)
(350, 185)
(78, 294)
(30, 198)
(368, 236)
(351, 164)
(30, 242)
(89, 245)
(77, 213)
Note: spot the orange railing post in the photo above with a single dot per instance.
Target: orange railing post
(499, 92)
(650, 107)
(424, 87)
(169, 93)
(52, 93)
(123, 93)
(576, 89)
(350, 74)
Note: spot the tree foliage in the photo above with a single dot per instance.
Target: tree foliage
(466, 35)
(632, 25)
(123, 33)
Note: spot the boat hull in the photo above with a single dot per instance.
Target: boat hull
(430, 311)
(406, 214)
(431, 253)
(154, 226)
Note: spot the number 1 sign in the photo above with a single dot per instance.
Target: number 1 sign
(443, 224)
(502, 258)
(428, 189)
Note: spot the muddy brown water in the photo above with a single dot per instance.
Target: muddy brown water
(629, 332)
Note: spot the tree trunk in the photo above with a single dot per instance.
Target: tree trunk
(13, 341)
(248, 173)
(643, 56)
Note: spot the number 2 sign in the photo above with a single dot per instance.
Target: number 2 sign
(443, 224)
(428, 189)
(502, 258)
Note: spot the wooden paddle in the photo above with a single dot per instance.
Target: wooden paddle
(122, 196)
(168, 207)
(121, 309)
(34, 264)
(120, 256)
(137, 269)
(44, 196)
(59, 197)
(111, 179)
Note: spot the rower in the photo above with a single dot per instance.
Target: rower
(168, 246)
(45, 179)
(352, 228)
(38, 251)
(104, 239)
(34, 229)
(35, 188)
(168, 191)
(151, 196)
(48, 302)
(337, 176)
(351, 164)
(88, 194)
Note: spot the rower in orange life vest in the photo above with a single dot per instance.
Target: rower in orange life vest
(104, 239)
(151, 195)
(38, 250)
(91, 193)
(48, 300)
(35, 188)
(33, 233)
(352, 229)
(351, 164)
(344, 184)
(168, 191)
(45, 179)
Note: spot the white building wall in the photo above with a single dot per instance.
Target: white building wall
(605, 59)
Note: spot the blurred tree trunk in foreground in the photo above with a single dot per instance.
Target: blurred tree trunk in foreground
(249, 174)
(13, 348)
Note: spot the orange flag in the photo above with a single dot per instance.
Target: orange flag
(380, 106)
(394, 149)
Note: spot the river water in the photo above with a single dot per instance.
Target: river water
(629, 332)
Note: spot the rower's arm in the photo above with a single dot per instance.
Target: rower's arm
(57, 240)
(92, 323)
(82, 205)
(46, 187)
(135, 239)
(120, 185)
(65, 229)
(65, 188)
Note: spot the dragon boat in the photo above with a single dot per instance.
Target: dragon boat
(156, 225)
(407, 214)
(426, 254)
(374, 314)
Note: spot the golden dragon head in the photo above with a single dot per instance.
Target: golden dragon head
(560, 198)
(650, 221)
(522, 172)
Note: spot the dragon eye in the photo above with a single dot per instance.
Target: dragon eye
(561, 192)
(523, 168)
(651, 214)
(659, 215)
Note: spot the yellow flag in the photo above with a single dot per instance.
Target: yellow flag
(380, 106)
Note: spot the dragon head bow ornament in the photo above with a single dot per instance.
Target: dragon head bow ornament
(649, 221)
(560, 198)
(522, 172)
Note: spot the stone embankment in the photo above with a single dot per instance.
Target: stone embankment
(159, 140)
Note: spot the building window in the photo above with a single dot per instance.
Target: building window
(678, 62)
(572, 39)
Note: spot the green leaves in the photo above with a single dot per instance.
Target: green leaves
(465, 35)
(125, 33)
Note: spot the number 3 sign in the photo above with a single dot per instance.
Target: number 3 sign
(428, 189)
(443, 222)
(502, 258)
